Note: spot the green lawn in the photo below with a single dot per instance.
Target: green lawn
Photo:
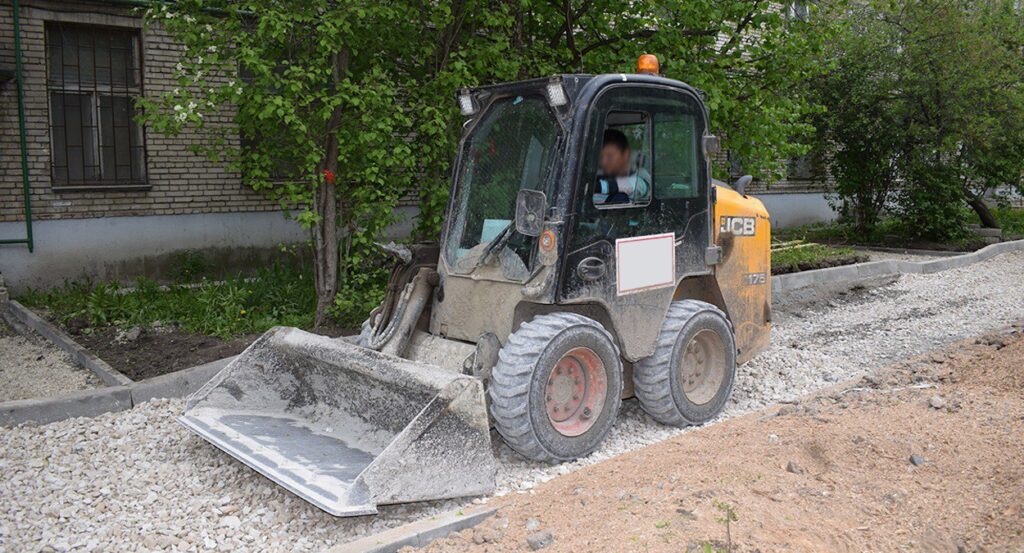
(806, 256)
(277, 295)
(889, 233)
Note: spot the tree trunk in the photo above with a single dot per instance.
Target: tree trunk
(984, 213)
(325, 237)
(325, 232)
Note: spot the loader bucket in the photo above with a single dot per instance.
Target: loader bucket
(345, 427)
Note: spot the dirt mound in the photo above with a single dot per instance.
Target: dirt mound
(925, 456)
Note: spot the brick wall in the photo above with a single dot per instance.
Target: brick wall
(180, 182)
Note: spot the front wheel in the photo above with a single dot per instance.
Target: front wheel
(557, 387)
(688, 379)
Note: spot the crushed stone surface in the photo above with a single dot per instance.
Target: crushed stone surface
(34, 368)
(137, 481)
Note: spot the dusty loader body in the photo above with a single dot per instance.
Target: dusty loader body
(557, 289)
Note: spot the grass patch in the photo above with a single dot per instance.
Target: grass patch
(277, 295)
(1011, 220)
(888, 233)
(811, 256)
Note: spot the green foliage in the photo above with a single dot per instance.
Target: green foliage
(399, 123)
(280, 294)
(360, 291)
(277, 295)
(1011, 220)
(726, 518)
(367, 88)
(925, 110)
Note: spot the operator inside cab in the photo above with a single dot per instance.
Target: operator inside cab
(618, 181)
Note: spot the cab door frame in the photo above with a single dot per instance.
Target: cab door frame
(635, 318)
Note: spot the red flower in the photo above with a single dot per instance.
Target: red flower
(329, 176)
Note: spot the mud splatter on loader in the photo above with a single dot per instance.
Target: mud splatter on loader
(559, 287)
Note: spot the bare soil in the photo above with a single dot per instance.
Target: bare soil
(157, 352)
(830, 473)
(162, 350)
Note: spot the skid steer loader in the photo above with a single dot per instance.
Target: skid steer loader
(558, 288)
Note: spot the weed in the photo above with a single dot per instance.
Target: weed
(728, 516)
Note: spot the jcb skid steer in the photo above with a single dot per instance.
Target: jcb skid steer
(587, 256)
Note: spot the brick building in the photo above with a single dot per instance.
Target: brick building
(109, 199)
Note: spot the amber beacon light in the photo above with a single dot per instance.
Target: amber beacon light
(647, 63)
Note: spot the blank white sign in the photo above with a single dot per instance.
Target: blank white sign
(645, 262)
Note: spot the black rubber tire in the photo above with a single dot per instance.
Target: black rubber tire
(656, 378)
(517, 386)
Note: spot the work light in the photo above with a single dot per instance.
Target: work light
(467, 104)
(556, 93)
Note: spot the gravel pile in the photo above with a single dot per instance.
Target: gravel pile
(137, 481)
(35, 368)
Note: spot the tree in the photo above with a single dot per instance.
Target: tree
(926, 110)
(312, 96)
(347, 106)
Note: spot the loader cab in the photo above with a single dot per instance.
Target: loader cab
(629, 255)
(547, 135)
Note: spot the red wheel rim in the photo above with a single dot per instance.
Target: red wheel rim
(575, 391)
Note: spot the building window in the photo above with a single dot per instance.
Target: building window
(93, 75)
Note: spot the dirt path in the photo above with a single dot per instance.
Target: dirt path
(831, 473)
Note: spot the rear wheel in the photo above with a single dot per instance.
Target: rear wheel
(688, 379)
(556, 389)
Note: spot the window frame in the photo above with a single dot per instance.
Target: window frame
(648, 122)
(95, 92)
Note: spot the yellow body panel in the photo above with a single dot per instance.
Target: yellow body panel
(744, 273)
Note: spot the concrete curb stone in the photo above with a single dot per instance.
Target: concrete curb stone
(82, 403)
(862, 271)
(90, 403)
(419, 533)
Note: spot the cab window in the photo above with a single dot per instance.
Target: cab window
(642, 171)
(675, 164)
(624, 163)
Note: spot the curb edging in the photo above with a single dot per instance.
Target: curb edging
(90, 403)
(419, 533)
(874, 269)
